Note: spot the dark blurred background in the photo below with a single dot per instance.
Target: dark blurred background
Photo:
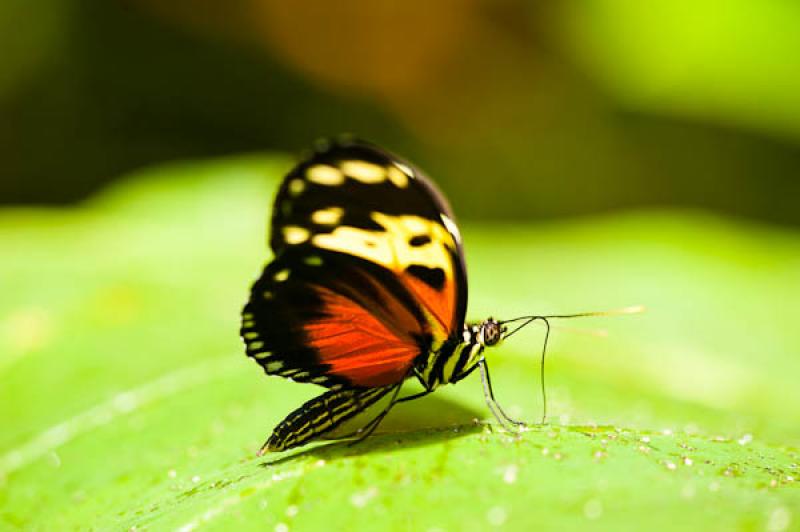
(518, 109)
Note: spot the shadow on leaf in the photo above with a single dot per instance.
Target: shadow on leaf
(426, 421)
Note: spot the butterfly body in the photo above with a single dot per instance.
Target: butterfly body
(456, 360)
(367, 288)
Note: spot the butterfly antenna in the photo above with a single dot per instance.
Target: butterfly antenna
(597, 333)
(526, 320)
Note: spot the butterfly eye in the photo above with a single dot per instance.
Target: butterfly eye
(491, 333)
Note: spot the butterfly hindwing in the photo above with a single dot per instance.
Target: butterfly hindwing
(331, 319)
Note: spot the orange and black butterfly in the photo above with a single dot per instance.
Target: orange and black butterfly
(367, 288)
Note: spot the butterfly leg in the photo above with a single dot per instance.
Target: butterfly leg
(370, 427)
(377, 420)
(373, 424)
(488, 394)
(414, 396)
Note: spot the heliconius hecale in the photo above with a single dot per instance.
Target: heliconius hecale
(367, 288)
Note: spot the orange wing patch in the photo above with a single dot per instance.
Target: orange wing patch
(407, 242)
(438, 302)
(356, 345)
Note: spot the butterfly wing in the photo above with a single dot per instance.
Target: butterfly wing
(368, 271)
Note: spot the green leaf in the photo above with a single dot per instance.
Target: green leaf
(126, 400)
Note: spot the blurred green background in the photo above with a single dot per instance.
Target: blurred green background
(598, 154)
(519, 109)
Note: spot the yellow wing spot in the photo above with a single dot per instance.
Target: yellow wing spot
(256, 345)
(293, 234)
(365, 172)
(268, 294)
(323, 174)
(370, 245)
(391, 247)
(410, 224)
(281, 276)
(248, 323)
(397, 177)
(296, 187)
(329, 216)
(250, 335)
(274, 366)
(401, 229)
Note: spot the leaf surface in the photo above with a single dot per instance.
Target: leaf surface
(126, 400)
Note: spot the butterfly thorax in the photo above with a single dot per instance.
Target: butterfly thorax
(459, 355)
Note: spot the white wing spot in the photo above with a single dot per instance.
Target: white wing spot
(363, 171)
(452, 227)
(322, 174)
(281, 276)
(329, 216)
(405, 169)
(294, 234)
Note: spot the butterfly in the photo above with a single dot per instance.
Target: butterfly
(367, 289)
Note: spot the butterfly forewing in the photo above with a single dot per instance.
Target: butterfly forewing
(368, 271)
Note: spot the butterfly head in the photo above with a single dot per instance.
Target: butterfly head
(491, 332)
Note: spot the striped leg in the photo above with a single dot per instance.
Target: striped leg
(322, 414)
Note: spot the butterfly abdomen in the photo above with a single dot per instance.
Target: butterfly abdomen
(322, 414)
